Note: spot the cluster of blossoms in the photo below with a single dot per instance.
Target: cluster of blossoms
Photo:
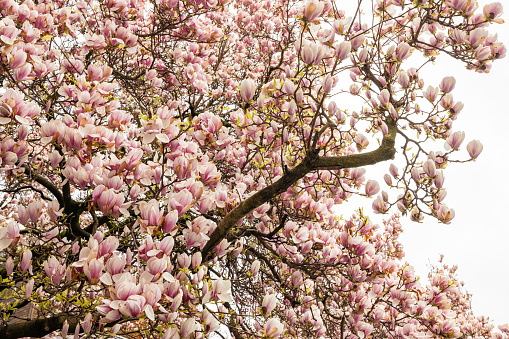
(169, 168)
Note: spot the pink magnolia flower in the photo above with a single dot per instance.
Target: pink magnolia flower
(403, 51)
(474, 148)
(9, 265)
(17, 59)
(93, 270)
(273, 328)
(209, 176)
(181, 201)
(133, 306)
(95, 41)
(388, 179)
(357, 41)
(312, 53)
(384, 97)
(124, 289)
(87, 323)
(183, 260)
(25, 263)
(12, 230)
(171, 333)
(354, 89)
(445, 214)
(55, 158)
(292, 108)
(54, 270)
(498, 50)
(380, 206)
(459, 5)
(313, 9)
(150, 213)
(431, 93)
(408, 329)
(327, 36)
(393, 170)
(65, 328)
(5, 112)
(327, 83)
(447, 84)
(170, 221)
(107, 247)
(222, 290)
(288, 87)
(28, 288)
(269, 303)
(449, 328)
(455, 139)
(152, 293)
(23, 73)
(308, 54)
(361, 141)
(429, 168)
(255, 267)
(115, 264)
(392, 111)
(343, 50)
(416, 215)
(196, 260)
(222, 247)
(477, 36)
(504, 328)
(372, 187)
(296, 278)
(439, 179)
(493, 11)
(187, 328)
(403, 79)
(483, 53)
(247, 89)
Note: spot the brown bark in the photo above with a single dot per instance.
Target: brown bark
(312, 162)
(38, 328)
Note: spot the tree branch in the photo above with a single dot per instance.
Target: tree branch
(385, 152)
(47, 184)
(312, 162)
(254, 201)
(38, 327)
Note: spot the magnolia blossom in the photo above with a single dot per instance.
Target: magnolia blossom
(343, 50)
(255, 266)
(273, 328)
(372, 187)
(171, 168)
(403, 51)
(493, 11)
(269, 303)
(455, 139)
(474, 148)
(447, 84)
(313, 9)
(188, 327)
(247, 89)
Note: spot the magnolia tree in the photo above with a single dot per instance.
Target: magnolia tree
(169, 168)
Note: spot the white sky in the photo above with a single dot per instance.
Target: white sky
(477, 238)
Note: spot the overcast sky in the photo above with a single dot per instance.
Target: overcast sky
(477, 240)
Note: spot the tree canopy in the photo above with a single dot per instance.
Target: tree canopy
(169, 168)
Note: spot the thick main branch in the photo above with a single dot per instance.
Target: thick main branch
(38, 327)
(46, 184)
(72, 208)
(385, 152)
